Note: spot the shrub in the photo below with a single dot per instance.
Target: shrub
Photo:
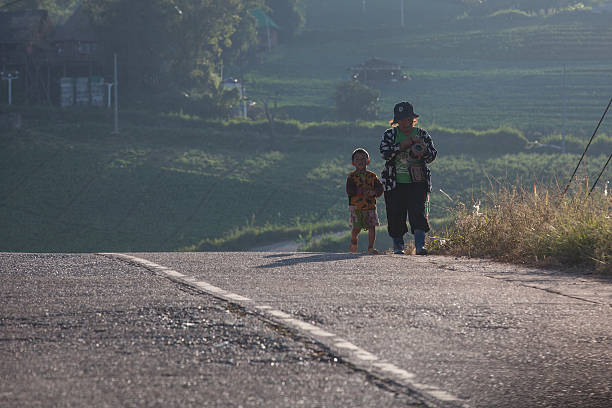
(475, 142)
(355, 101)
(543, 226)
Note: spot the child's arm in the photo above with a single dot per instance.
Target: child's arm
(378, 187)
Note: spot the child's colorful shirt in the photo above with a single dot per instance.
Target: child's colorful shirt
(357, 184)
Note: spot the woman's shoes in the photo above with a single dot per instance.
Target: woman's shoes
(372, 251)
(398, 245)
(421, 251)
(419, 242)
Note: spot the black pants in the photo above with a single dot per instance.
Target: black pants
(407, 200)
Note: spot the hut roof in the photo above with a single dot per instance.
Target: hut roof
(77, 28)
(377, 64)
(263, 19)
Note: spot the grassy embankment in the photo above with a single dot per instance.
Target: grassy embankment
(539, 226)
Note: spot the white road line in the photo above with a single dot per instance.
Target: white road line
(208, 287)
(346, 345)
(311, 328)
(278, 313)
(233, 296)
(174, 273)
(348, 351)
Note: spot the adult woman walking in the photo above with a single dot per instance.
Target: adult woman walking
(406, 178)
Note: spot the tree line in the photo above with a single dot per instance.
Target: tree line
(489, 6)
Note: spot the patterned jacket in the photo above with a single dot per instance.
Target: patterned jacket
(389, 149)
(356, 187)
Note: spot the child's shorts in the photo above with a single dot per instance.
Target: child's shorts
(363, 219)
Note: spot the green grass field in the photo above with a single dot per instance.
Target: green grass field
(481, 72)
(71, 186)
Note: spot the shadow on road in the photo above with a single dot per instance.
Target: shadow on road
(307, 259)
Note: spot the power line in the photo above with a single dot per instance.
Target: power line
(602, 171)
(587, 147)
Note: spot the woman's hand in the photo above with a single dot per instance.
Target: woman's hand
(406, 144)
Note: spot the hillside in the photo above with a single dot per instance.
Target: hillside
(487, 86)
(467, 70)
(166, 183)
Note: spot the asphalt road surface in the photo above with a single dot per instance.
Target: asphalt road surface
(299, 329)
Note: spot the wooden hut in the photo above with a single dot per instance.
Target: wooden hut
(76, 45)
(25, 48)
(377, 69)
(267, 29)
(44, 55)
(78, 61)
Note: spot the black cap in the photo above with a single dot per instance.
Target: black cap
(403, 110)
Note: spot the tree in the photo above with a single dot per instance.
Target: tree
(210, 32)
(138, 31)
(489, 6)
(355, 100)
(58, 9)
(172, 45)
(289, 15)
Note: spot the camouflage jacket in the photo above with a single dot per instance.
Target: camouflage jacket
(357, 187)
(389, 149)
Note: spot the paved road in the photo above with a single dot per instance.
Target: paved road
(80, 328)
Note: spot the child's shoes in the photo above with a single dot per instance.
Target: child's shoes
(353, 248)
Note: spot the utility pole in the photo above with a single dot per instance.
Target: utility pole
(564, 111)
(116, 83)
(363, 6)
(10, 76)
(109, 86)
(244, 101)
(402, 12)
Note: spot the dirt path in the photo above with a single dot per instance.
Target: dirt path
(291, 246)
(283, 246)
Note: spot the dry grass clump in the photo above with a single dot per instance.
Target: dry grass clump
(542, 227)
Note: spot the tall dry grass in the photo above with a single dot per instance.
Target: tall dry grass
(540, 226)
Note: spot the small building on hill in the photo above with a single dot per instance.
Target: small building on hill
(23, 35)
(75, 42)
(267, 29)
(377, 69)
(77, 60)
(25, 48)
(49, 59)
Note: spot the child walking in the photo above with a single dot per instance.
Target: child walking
(362, 187)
